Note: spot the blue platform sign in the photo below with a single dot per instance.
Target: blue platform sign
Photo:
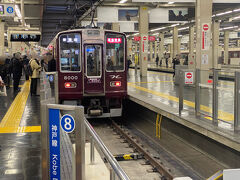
(10, 10)
(54, 144)
(51, 78)
(68, 123)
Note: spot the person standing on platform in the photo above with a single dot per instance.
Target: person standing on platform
(17, 71)
(176, 61)
(8, 70)
(166, 58)
(25, 64)
(157, 60)
(51, 63)
(36, 68)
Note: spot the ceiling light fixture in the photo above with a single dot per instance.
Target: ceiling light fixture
(170, 2)
(227, 12)
(122, 1)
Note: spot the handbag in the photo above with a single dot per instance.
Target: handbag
(3, 91)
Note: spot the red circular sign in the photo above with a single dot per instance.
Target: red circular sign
(144, 38)
(205, 27)
(189, 75)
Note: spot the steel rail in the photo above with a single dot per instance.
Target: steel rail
(164, 172)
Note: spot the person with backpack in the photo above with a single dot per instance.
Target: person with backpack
(36, 68)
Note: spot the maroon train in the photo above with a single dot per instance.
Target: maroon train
(92, 70)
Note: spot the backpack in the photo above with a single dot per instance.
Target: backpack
(29, 69)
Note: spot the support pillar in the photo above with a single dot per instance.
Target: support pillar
(155, 50)
(143, 31)
(115, 27)
(129, 48)
(175, 42)
(2, 30)
(171, 56)
(226, 47)
(203, 46)
(179, 45)
(215, 27)
(161, 46)
(151, 51)
(191, 56)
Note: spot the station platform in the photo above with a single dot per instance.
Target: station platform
(228, 76)
(158, 93)
(20, 135)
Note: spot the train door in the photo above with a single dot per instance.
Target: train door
(93, 72)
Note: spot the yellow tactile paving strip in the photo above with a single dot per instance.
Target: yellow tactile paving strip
(11, 121)
(221, 115)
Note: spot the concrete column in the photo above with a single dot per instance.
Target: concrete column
(203, 31)
(115, 27)
(238, 43)
(129, 48)
(171, 51)
(226, 47)
(155, 50)
(2, 30)
(179, 46)
(161, 46)
(191, 59)
(143, 31)
(175, 42)
(215, 27)
(151, 51)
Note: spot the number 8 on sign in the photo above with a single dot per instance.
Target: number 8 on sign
(68, 123)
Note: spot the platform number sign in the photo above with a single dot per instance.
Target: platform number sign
(188, 77)
(10, 10)
(67, 123)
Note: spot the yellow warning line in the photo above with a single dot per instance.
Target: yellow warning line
(221, 114)
(14, 114)
(149, 82)
(26, 129)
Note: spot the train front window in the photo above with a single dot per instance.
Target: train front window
(69, 52)
(94, 60)
(115, 52)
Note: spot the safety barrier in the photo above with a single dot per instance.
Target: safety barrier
(212, 84)
(59, 157)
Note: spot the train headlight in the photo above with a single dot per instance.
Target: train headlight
(70, 85)
(115, 84)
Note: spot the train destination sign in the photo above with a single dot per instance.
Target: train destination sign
(25, 37)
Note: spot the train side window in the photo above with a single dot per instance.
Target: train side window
(69, 52)
(115, 50)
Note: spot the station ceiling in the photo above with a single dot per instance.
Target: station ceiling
(53, 16)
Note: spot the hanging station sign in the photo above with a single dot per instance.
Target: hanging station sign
(15, 37)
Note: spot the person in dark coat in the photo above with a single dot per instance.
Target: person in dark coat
(17, 71)
(157, 60)
(176, 61)
(25, 64)
(51, 63)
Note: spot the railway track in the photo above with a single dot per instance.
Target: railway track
(121, 141)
